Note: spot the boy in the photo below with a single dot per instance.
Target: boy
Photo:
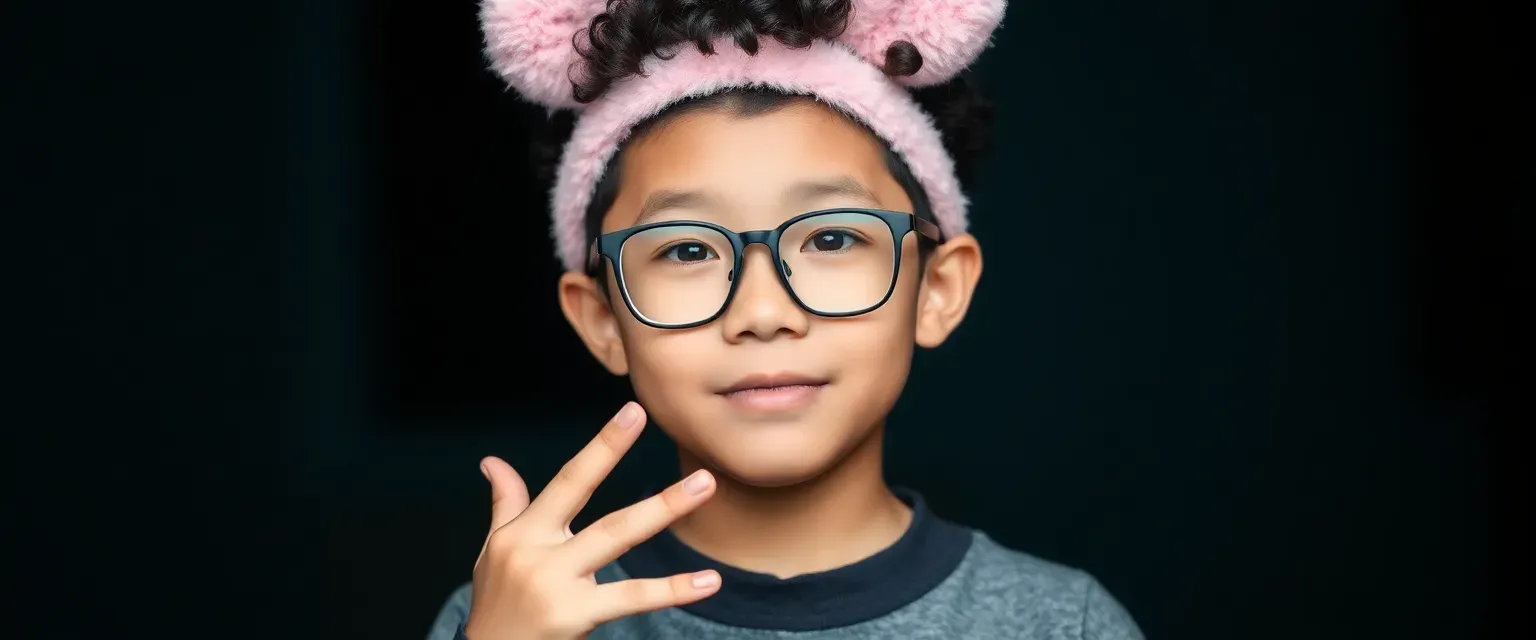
(756, 237)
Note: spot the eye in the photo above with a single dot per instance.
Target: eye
(830, 241)
(687, 252)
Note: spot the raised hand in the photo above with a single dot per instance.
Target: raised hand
(535, 580)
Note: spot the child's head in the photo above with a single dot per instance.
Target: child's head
(675, 293)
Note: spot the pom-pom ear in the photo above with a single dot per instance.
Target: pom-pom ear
(948, 34)
(530, 43)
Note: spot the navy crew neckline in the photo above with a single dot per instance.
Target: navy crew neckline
(918, 561)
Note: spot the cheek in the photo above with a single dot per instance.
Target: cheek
(894, 325)
(877, 345)
(678, 356)
(666, 366)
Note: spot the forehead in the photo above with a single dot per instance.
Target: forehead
(750, 165)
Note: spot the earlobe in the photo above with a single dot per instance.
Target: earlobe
(949, 281)
(587, 310)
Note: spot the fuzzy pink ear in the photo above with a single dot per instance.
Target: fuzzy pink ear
(949, 34)
(530, 43)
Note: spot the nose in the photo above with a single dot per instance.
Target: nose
(761, 308)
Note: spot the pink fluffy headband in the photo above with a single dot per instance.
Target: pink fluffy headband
(531, 44)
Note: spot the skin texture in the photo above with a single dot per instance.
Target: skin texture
(534, 579)
(784, 478)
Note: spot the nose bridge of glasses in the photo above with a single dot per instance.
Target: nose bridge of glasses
(767, 238)
(760, 294)
(749, 238)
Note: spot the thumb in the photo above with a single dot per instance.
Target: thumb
(509, 494)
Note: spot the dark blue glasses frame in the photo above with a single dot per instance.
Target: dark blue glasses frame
(610, 246)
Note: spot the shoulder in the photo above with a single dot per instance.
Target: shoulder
(452, 615)
(1060, 600)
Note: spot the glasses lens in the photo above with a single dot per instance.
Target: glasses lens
(840, 262)
(677, 274)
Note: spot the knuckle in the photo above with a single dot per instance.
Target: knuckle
(569, 473)
(673, 502)
(501, 542)
(618, 524)
(649, 592)
(611, 440)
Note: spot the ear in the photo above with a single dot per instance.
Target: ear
(532, 45)
(949, 34)
(591, 315)
(949, 281)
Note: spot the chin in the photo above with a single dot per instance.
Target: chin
(769, 474)
(776, 459)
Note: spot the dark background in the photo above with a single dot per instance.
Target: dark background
(1242, 349)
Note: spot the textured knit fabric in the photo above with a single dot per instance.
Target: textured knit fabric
(984, 591)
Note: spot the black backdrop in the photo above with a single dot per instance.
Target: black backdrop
(1245, 356)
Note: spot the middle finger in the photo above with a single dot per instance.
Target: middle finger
(612, 535)
(570, 489)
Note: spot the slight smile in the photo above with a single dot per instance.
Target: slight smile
(773, 392)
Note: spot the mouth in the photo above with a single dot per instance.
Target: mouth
(773, 392)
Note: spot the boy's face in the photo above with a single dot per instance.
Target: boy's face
(830, 381)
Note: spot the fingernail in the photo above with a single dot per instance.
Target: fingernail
(705, 579)
(629, 416)
(484, 471)
(697, 483)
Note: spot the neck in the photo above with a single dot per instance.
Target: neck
(838, 518)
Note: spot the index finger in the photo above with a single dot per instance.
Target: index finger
(569, 491)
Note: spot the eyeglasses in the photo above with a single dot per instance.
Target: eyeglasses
(833, 262)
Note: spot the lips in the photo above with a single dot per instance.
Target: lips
(773, 392)
(769, 382)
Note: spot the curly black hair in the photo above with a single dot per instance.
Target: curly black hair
(620, 39)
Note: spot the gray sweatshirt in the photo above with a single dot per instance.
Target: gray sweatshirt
(939, 580)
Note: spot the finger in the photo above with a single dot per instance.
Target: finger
(570, 489)
(612, 535)
(630, 597)
(509, 494)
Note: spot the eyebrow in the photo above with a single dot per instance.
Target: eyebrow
(800, 192)
(673, 199)
(845, 186)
